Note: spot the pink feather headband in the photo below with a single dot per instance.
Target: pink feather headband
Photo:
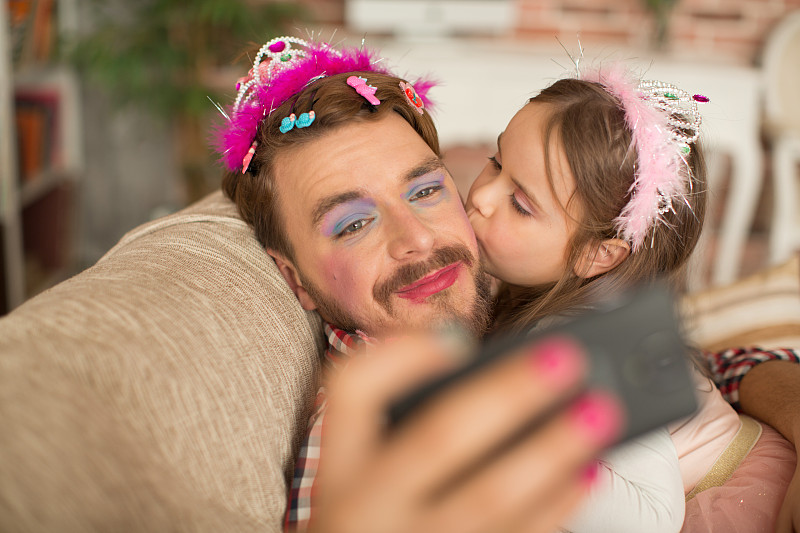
(282, 68)
(664, 121)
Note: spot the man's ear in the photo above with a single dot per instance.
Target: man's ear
(289, 273)
(599, 258)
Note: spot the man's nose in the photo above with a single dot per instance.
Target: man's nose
(410, 236)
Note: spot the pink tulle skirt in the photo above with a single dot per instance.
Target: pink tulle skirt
(750, 500)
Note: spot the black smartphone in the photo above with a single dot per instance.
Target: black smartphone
(635, 349)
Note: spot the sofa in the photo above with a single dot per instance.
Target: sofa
(167, 387)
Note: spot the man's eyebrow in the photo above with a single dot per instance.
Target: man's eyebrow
(329, 202)
(429, 165)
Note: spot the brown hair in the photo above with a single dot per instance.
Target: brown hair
(589, 125)
(335, 104)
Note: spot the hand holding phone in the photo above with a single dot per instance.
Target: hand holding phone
(447, 467)
(635, 350)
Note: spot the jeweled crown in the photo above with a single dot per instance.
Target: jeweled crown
(680, 107)
(282, 68)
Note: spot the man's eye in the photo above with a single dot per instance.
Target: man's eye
(353, 227)
(427, 191)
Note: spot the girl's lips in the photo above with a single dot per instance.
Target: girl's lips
(431, 284)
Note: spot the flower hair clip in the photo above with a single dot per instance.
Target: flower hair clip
(412, 97)
(664, 121)
(282, 68)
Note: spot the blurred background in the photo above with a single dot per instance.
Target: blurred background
(106, 105)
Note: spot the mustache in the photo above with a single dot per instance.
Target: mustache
(407, 274)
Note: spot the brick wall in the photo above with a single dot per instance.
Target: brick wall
(732, 30)
(325, 12)
(729, 30)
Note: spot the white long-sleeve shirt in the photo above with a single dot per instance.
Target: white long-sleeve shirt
(639, 488)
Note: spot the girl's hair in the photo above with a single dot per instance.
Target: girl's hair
(589, 126)
(335, 104)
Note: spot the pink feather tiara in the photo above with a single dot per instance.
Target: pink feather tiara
(664, 122)
(283, 67)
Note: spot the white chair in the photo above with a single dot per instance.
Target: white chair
(781, 67)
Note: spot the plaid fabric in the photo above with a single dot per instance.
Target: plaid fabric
(341, 346)
(730, 366)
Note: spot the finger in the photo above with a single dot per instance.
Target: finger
(523, 478)
(359, 396)
(355, 488)
(458, 427)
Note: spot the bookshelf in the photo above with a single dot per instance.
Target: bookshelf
(41, 153)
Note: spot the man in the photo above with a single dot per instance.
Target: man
(359, 214)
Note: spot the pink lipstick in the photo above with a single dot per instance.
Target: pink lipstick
(431, 284)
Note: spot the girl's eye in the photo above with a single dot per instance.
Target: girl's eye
(495, 163)
(518, 207)
(353, 227)
(426, 192)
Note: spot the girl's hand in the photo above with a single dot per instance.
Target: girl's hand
(442, 468)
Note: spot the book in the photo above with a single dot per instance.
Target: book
(32, 27)
(38, 141)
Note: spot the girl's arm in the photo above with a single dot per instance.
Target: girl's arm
(639, 488)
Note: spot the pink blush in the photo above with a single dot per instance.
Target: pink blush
(341, 278)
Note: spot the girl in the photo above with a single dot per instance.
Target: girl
(598, 183)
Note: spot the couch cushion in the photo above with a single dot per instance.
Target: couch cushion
(170, 383)
(760, 310)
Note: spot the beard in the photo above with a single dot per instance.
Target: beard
(474, 317)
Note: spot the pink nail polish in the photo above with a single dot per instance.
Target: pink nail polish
(598, 416)
(558, 361)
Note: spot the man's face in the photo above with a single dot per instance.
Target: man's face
(381, 240)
